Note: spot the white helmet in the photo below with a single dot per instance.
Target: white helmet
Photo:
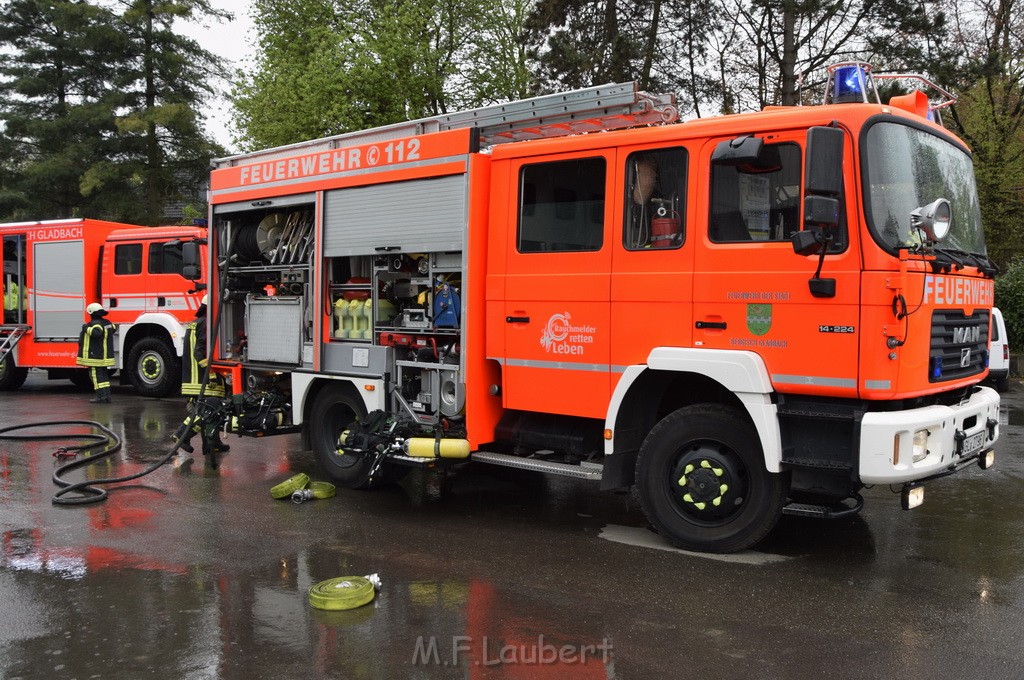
(93, 308)
(203, 301)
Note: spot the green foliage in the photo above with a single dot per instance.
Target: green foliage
(328, 67)
(99, 110)
(1010, 300)
(55, 105)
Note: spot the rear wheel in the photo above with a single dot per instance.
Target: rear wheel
(702, 480)
(334, 411)
(12, 376)
(154, 368)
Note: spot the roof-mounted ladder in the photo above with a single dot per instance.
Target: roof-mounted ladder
(9, 336)
(603, 107)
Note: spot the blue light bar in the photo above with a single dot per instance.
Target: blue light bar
(850, 85)
(984, 358)
(936, 368)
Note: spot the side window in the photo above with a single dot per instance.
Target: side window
(655, 198)
(165, 258)
(128, 258)
(757, 201)
(561, 206)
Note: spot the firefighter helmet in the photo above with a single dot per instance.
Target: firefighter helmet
(94, 307)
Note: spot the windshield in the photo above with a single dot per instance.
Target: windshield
(907, 168)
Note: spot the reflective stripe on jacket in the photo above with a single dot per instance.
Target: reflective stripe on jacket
(96, 343)
(192, 365)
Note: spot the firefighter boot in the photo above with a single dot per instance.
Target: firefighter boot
(218, 445)
(210, 452)
(102, 396)
(186, 440)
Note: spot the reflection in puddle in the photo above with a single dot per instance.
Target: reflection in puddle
(1010, 415)
(641, 537)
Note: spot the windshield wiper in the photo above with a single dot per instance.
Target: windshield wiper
(953, 255)
(978, 260)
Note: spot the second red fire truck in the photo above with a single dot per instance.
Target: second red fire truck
(54, 269)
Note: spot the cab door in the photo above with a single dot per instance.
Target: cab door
(652, 265)
(165, 286)
(752, 293)
(557, 333)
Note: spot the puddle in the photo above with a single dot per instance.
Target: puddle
(642, 538)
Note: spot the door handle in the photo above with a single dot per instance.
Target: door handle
(517, 319)
(161, 302)
(113, 302)
(719, 325)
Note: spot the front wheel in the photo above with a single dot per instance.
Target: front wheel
(12, 376)
(702, 480)
(154, 369)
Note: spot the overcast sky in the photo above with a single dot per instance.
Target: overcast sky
(232, 41)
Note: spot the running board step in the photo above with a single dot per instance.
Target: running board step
(825, 511)
(590, 471)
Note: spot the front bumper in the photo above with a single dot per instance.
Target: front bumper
(883, 460)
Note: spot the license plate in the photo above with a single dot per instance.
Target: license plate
(973, 444)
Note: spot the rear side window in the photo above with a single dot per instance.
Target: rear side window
(165, 258)
(128, 258)
(561, 206)
(759, 201)
(655, 198)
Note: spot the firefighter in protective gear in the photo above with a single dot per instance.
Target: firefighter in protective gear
(96, 350)
(203, 415)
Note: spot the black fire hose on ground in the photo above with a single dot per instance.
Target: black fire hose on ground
(107, 443)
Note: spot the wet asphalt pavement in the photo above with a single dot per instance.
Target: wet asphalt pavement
(486, 573)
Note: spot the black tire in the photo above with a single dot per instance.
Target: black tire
(334, 410)
(1002, 384)
(154, 369)
(12, 376)
(729, 501)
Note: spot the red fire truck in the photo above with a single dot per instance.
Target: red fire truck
(53, 269)
(740, 316)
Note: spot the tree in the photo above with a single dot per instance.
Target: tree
(590, 42)
(56, 106)
(988, 74)
(498, 66)
(780, 42)
(327, 67)
(165, 82)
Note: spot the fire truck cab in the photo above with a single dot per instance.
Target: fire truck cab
(740, 316)
(53, 269)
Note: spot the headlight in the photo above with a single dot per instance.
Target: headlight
(920, 447)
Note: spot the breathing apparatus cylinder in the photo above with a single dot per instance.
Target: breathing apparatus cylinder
(424, 447)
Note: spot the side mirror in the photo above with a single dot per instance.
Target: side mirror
(824, 175)
(821, 211)
(807, 242)
(191, 267)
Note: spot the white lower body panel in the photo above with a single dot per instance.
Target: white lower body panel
(879, 462)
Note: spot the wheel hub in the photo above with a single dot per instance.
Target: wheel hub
(151, 367)
(703, 483)
(706, 483)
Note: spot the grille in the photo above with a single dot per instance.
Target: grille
(961, 341)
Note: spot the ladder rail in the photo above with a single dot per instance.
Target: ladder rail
(602, 107)
(10, 334)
